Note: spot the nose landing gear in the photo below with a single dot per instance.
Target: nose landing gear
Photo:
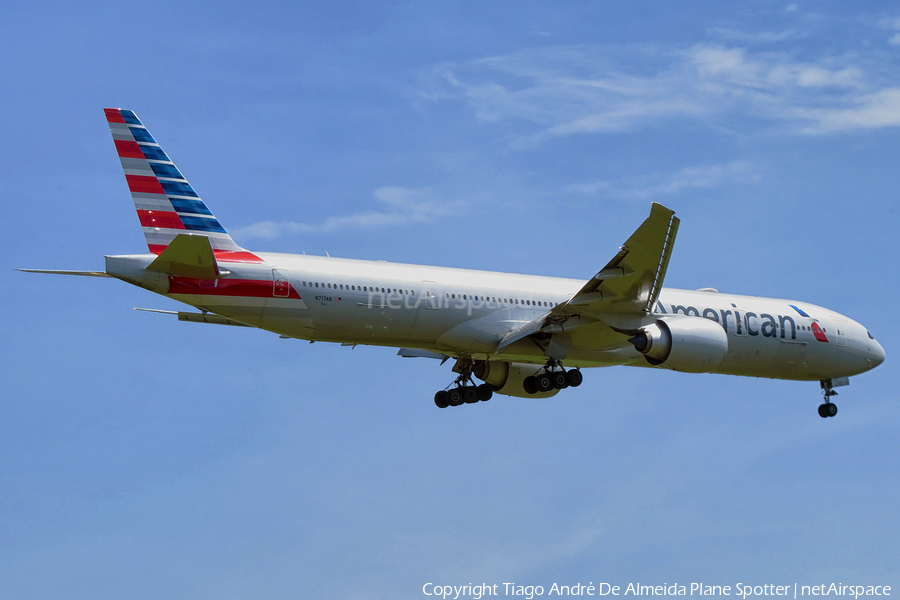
(827, 408)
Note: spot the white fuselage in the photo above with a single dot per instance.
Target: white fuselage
(460, 312)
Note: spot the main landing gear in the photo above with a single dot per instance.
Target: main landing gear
(552, 377)
(464, 390)
(827, 408)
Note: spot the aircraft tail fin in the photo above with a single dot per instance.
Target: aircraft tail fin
(166, 203)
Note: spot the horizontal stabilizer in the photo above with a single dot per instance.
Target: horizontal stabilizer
(187, 256)
(53, 272)
(197, 317)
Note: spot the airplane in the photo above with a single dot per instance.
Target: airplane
(520, 335)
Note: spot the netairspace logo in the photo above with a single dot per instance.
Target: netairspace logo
(742, 590)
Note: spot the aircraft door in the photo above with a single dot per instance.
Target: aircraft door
(840, 333)
(429, 298)
(428, 323)
(281, 286)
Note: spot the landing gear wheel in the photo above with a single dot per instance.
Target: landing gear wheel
(829, 409)
(560, 381)
(470, 395)
(574, 377)
(544, 382)
(484, 392)
(455, 397)
(530, 385)
(441, 400)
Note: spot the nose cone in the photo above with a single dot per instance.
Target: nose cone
(876, 354)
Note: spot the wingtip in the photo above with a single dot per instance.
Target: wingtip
(656, 206)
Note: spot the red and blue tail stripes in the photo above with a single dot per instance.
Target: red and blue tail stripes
(166, 203)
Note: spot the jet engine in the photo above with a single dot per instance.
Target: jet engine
(689, 344)
(508, 378)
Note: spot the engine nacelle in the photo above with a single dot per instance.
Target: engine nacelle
(689, 344)
(508, 378)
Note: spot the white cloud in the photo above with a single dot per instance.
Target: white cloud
(560, 91)
(812, 76)
(890, 23)
(761, 37)
(657, 184)
(398, 206)
(881, 109)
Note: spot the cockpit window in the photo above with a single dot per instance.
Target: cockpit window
(871, 337)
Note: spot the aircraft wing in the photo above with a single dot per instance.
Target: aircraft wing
(623, 290)
(631, 281)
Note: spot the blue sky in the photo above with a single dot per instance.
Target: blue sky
(141, 457)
